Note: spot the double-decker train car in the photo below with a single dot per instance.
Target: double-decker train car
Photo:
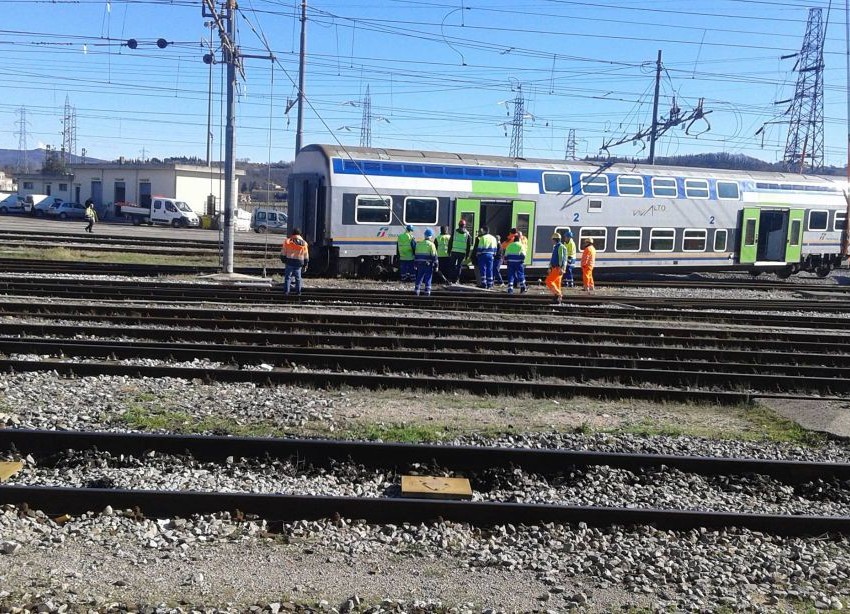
(351, 203)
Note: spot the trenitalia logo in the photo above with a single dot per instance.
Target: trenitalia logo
(382, 231)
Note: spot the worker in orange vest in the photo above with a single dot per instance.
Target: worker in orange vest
(588, 261)
(295, 256)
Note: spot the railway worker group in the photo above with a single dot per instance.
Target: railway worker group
(448, 254)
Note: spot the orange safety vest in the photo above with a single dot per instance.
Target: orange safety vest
(588, 257)
(295, 251)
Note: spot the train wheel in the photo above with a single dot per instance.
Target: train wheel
(822, 271)
(783, 273)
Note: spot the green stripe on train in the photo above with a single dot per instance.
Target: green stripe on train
(501, 188)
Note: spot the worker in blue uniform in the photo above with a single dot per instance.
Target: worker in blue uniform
(515, 255)
(425, 254)
(484, 254)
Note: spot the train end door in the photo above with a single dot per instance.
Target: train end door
(522, 218)
(306, 206)
(748, 252)
(468, 209)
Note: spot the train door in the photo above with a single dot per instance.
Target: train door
(470, 210)
(523, 220)
(749, 235)
(306, 206)
(794, 244)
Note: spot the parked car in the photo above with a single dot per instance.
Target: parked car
(268, 220)
(14, 204)
(40, 203)
(65, 211)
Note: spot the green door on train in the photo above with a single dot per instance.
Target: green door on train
(468, 209)
(522, 218)
(794, 246)
(749, 235)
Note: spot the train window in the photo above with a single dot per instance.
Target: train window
(794, 233)
(599, 236)
(818, 220)
(694, 240)
(420, 211)
(696, 188)
(664, 186)
(661, 239)
(840, 220)
(372, 210)
(454, 171)
(750, 232)
(412, 169)
(630, 185)
(627, 240)
(558, 182)
(720, 238)
(594, 184)
(728, 190)
(594, 204)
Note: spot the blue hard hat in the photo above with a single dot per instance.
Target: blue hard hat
(429, 233)
(568, 233)
(409, 227)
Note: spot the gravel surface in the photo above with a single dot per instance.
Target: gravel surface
(555, 567)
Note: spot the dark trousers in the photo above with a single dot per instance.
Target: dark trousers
(406, 269)
(485, 267)
(90, 225)
(424, 276)
(516, 275)
(568, 280)
(456, 262)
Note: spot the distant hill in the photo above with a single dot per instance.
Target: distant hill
(35, 157)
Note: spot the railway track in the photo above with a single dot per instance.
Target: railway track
(442, 299)
(453, 460)
(593, 359)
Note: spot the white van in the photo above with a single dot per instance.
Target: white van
(14, 203)
(269, 220)
(40, 203)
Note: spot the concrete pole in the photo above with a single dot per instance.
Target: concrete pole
(299, 130)
(653, 135)
(230, 183)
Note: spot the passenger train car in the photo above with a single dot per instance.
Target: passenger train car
(351, 203)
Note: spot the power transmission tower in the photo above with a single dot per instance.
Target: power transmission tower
(23, 164)
(804, 146)
(366, 122)
(518, 124)
(571, 145)
(69, 132)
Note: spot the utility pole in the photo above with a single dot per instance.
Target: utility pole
(570, 153)
(366, 121)
(299, 129)
(518, 124)
(653, 135)
(233, 59)
(23, 164)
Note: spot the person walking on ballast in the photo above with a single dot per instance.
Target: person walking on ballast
(557, 264)
(295, 256)
(91, 215)
(515, 255)
(459, 250)
(426, 262)
(588, 261)
(405, 246)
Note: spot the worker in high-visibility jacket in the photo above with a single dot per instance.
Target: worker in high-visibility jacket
(295, 256)
(405, 245)
(444, 241)
(425, 254)
(485, 252)
(459, 250)
(588, 261)
(515, 256)
(557, 264)
(567, 240)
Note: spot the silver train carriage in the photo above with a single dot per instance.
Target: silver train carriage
(351, 203)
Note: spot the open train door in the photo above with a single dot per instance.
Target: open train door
(468, 209)
(794, 245)
(748, 253)
(522, 218)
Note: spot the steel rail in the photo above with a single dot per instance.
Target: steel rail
(283, 508)
(115, 311)
(581, 339)
(445, 300)
(761, 378)
(212, 244)
(325, 378)
(510, 365)
(288, 508)
(402, 456)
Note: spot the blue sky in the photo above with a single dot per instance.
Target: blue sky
(439, 74)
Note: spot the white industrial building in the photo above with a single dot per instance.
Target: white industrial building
(113, 184)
